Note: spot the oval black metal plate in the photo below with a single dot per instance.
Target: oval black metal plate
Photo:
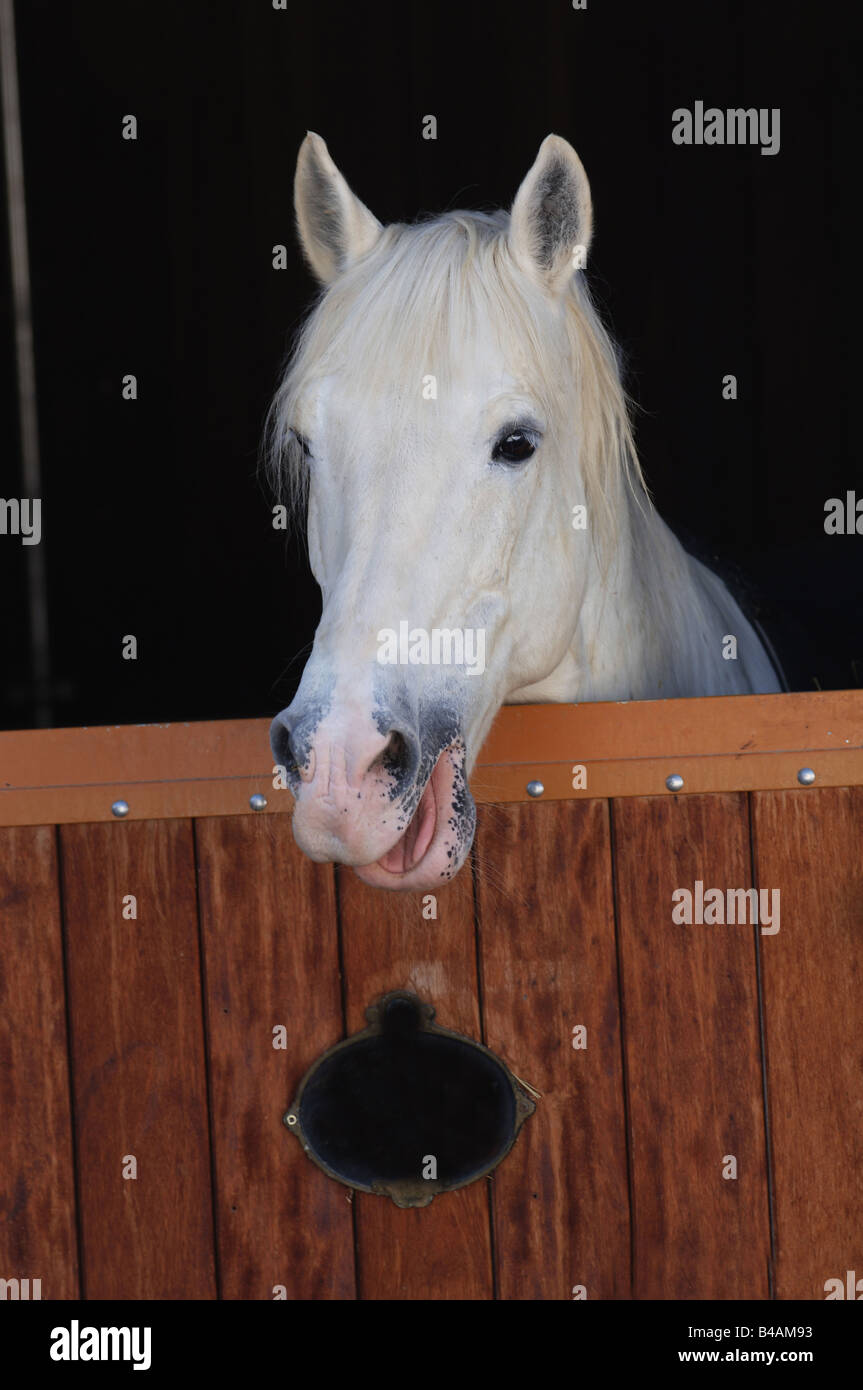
(406, 1108)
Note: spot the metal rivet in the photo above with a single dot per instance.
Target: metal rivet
(258, 802)
(290, 1119)
(806, 776)
(535, 789)
(120, 809)
(674, 783)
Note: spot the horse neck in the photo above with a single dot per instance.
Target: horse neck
(617, 623)
(652, 626)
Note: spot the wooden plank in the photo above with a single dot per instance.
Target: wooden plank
(740, 742)
(138, 1061)
(490, 784)
(147, 801)
(37, 1183)
(691, 1038)
(715, 725)
(132, 753)
(647, 776)
(442, 1251)
(548, 961)
(808, 848)
(270, 940)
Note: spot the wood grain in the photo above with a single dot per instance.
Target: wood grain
(624, 1155)
(138, 1060)
(691, 1037)
(37, 1181)
(271, 958)
(560, 1201)
(808, 846)
(724, 743)
(442, 1251)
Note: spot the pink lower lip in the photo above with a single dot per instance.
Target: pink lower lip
(415, 841)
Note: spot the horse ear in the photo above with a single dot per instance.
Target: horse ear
(552, 218)
(335, 227)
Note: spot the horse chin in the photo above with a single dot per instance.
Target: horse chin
(436, 842)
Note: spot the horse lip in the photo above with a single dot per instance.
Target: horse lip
(425, 823)
(417, 837)
(427, 829)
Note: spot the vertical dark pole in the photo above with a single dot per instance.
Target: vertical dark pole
(31, 473)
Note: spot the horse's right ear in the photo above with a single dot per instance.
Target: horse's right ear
(552, 218)
(335, 227)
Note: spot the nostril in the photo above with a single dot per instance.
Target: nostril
(398, 757)
(282, 746)
(394, 753)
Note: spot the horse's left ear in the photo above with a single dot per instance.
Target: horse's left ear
(552, 217)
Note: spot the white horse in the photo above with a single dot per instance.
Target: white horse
(454, 427)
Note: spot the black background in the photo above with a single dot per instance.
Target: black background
(155, 257)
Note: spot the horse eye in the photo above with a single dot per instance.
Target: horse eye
(515, 447)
